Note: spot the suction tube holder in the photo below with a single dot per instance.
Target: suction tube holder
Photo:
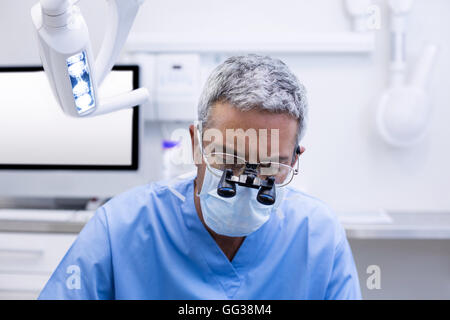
(66, 55)
(249, 179)
(403, 111)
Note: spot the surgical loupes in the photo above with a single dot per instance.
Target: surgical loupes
(249, 179)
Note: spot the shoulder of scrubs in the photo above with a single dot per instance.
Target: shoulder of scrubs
(87, 270)
(330, 255)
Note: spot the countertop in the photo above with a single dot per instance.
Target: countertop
(374, 225)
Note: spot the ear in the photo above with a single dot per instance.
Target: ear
(192, 132)
(302, 149)
(298, 152)
(196, 151)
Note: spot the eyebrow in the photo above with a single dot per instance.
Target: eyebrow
(234, 152)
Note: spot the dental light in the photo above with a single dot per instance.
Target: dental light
(66, 55)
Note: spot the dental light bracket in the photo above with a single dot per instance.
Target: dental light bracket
(249, 179)
(67, 57)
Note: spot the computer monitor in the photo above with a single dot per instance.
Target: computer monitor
(45, 153)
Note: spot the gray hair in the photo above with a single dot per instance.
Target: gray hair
(255, 82)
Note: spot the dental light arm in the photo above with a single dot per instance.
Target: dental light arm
(66, 55)
(121, 17)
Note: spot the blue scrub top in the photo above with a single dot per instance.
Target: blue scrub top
(149, 243)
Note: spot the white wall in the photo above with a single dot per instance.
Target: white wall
(346, 164)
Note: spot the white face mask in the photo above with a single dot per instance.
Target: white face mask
(237, 216)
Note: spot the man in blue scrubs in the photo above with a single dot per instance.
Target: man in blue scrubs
(183, 239)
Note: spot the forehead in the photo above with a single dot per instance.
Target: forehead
(224, 117)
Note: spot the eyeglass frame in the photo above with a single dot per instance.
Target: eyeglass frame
(296, 151)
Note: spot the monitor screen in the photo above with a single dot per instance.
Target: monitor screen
(36, 134)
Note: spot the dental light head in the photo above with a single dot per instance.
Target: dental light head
(67, 57)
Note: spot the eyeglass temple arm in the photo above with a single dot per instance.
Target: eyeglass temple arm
(297, 151)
